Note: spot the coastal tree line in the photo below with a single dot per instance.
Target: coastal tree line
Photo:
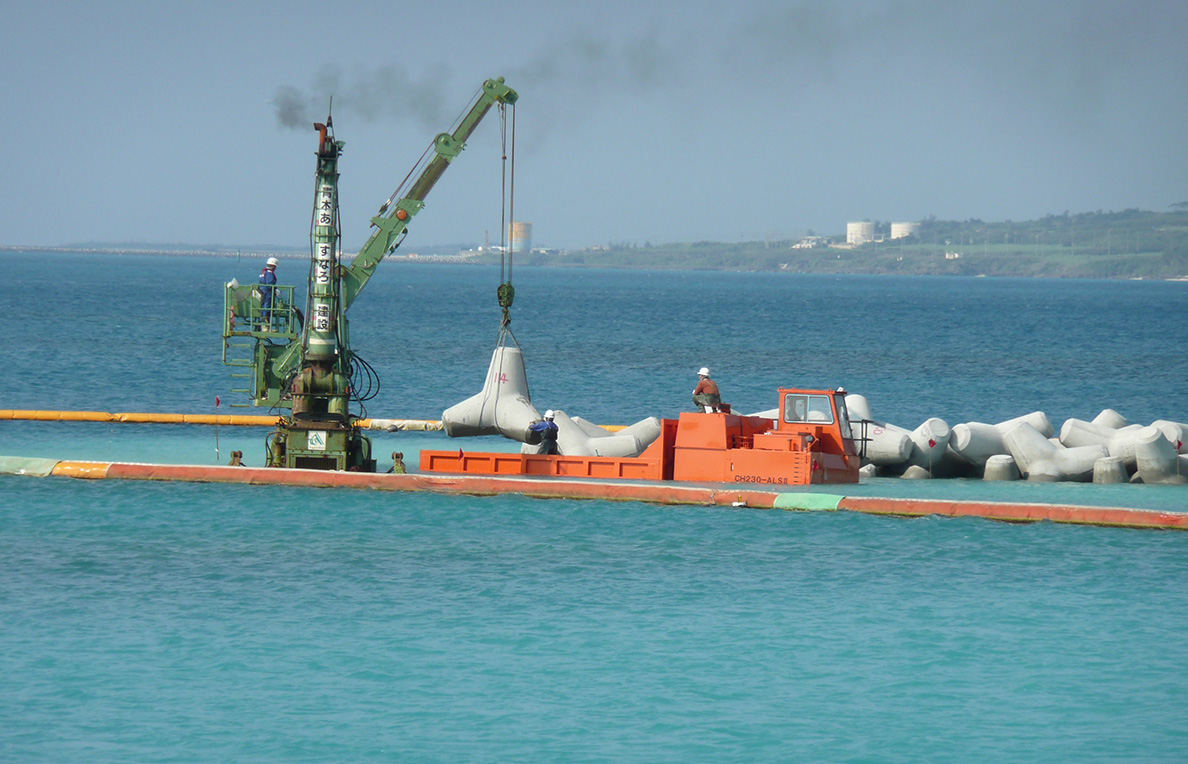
(1128, 244)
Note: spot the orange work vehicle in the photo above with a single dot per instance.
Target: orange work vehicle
(809, 442)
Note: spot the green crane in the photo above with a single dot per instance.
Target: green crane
(307, 366)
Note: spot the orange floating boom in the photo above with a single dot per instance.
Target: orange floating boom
(570, 488)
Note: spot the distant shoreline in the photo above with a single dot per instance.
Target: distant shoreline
(566, 261)
(289, 254)
(1131, 244)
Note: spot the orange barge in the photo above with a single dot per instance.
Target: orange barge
(809, 442)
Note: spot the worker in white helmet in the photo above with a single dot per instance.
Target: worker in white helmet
(267, 281)
(706, 396)
(547, 430)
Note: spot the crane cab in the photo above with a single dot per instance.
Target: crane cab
(818, 417)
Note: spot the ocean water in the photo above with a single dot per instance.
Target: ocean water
(178, 622)
(137, 333)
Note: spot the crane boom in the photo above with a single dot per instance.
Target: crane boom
(393, 219)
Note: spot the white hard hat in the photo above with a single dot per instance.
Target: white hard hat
(549, 414)
(704, 372)
(272, 261)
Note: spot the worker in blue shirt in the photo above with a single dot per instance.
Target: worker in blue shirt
(267, 281)
(548, 433)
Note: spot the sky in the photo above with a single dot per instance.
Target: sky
(638, 122)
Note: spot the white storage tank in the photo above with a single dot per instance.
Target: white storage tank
(519, 238)
(904, 230)
(858, 234)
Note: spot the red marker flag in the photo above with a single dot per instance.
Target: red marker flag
(216, 401)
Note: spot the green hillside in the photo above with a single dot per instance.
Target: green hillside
(1128, 244)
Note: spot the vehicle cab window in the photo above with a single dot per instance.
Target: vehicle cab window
(807, 408)
(843, 416)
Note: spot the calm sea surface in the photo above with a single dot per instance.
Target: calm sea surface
(185, 622)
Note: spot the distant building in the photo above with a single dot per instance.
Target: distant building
(904, 230)
(520, 237)
(858, 234)
(810, 242)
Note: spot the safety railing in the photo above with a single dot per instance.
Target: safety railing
(245, 313)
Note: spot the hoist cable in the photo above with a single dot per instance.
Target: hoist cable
(502, 190)
(505, 333)
(511, 208)
(506, 293)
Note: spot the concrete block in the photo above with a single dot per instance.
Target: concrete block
(1039, 460)
(1110, 469)
(1156, 459)
(502, 407)
(1175, 432)
(1001, 467)
(976, 442)
(1110, 418)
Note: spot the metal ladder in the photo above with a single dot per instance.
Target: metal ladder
(239, 352)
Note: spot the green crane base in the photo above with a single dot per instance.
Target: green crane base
(320, 446)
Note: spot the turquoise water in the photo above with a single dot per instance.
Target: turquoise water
(177, 622)
(148, 622)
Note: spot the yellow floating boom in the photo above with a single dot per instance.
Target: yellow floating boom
(241, 420)
(229, 420)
